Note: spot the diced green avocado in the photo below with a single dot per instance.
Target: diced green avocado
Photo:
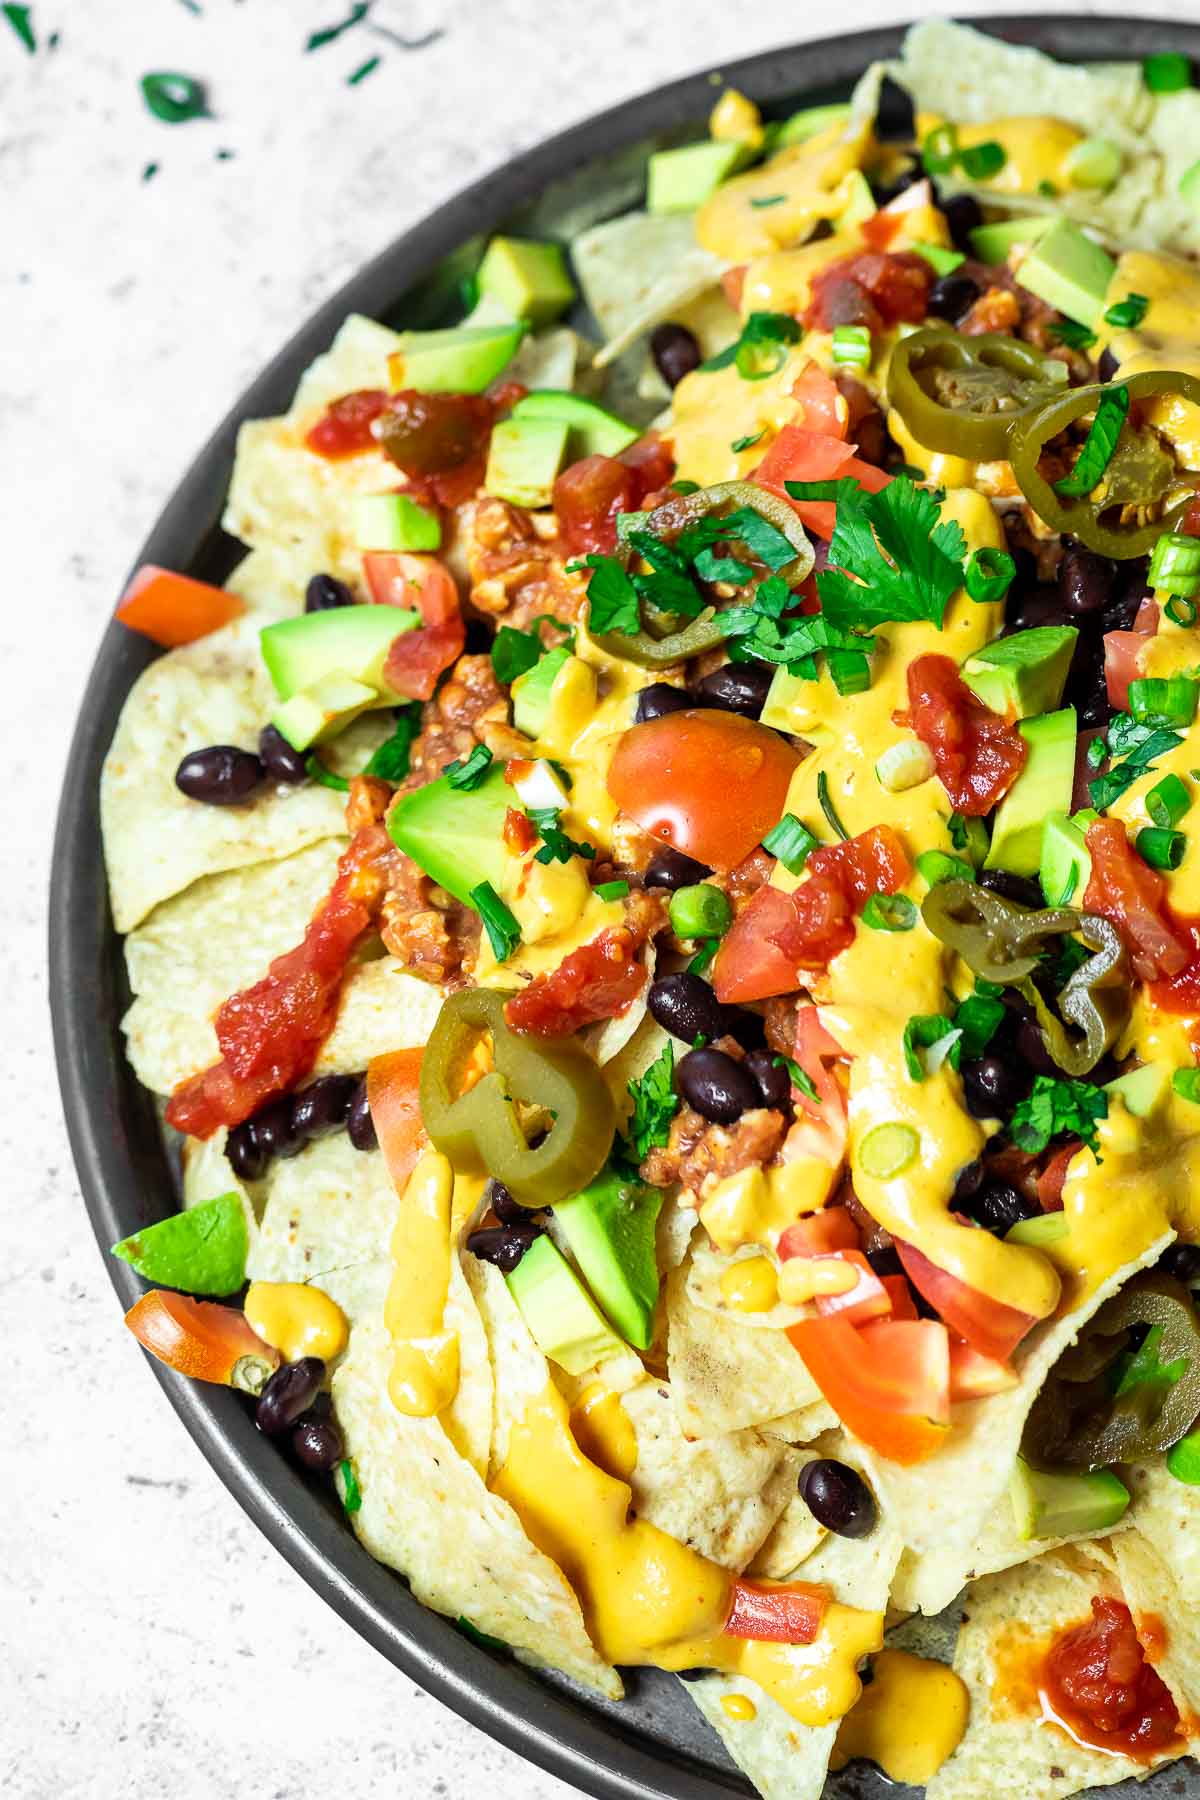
(782, 694)
(531, 691)
(610, 1229)
(810, 121)
(395, 522)
(1042, 1229)
(1066, 269)
(1047, 1505)
(860, 206)
(992, 243)
(524, 457)
(455, 834)
(1023, 674)
(1066, 862)
(460, 360)
(324, 709)
(565, 1321)
(594, 432)
(201, 1251)
(682, 180)
(528, 278)
(346, 640)
(1043, 786)
(1143, 1090)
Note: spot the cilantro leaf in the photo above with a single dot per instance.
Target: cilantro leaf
(612, 597)
(556, 845)
(1057, 1107)
(392, 759)
(759, 631)
(978, 1018)
(1071, 333)
(655, 1104)
(933, 1032)
(891, 556)
(668, 585)
(760, 349)
(466, 773)
(515, 652)
(1098, 446)
(1137, 746)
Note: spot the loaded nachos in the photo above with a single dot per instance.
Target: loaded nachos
(659, 901)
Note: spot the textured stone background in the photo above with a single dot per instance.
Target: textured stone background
(151, 1643)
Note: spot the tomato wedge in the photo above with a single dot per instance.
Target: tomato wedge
(824, 407)
(417, 658)
(711, 784)
(867, 1299)
(1053, 1177)
(392, 1095)
(785, 1612)
(900, 1297)
(974, 1376)
(978, 753)
(203, 1340)
(173, 609)
(988, 1325)
(817, 1235)
(888, 1382)
(802, 455)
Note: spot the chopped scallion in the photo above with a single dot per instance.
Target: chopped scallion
(989, 574)
(940, 260)
(904, 765)
(1180, 610)
(324, 776)
(889, 912)
(1160, 848)
(1168, 801)
(827, 807)
(982, 161)
(791, 842)
(888, 1150)
(1127, 314)
(852, 345)
(1167, 72)
(504, 934)
(1175, 564)
(940, 152)
(611, 890)
(1186, 1083)
(1170, 702)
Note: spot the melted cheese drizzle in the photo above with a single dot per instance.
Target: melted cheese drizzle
(909, 1720)
(424, 1372)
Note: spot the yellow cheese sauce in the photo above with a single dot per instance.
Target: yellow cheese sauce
(1167, 338)
(424, 1372)
(1035, 147)
(909, 1720)
(739, 1707)
(648, 1599)
(811, 178)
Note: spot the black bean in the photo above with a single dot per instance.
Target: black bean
(1108, 364)
(991, 1087)
(895, 118)
(324, 592)
(1041, 606)
(478, 640)
(694, 1674)
(360, 1126)
(998, 1207)
(749, 1028)
(221, 775)
(686, 1006)
(247, 1157)
(838, 1498)
(771, 1078)
(737, 688)
(280, 761)
(1021, 889)
(1130, 589)
(671, 869)
(1085, 580)
(1031, 1049)
(318, 1444)
(275, 1128)
(324, 1105)
(967, 1183)
(900, 185)
(952, 296)
(290, 1391)
(1182, 1261)
(716, 1086)
(963, 215)
(885, 1260)
(506, 1209)
(659, 698)
(503, 1245)
(675, 351)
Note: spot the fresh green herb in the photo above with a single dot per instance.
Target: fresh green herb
(611, 890)
(935, 1033)
(655, 1104)
(320, 772)
(700, 963)
(761, 349)
(174, 98)
(827, 807)
(479, 1637)
(465, 774)
(759, 632)
(891, 556)
(1071, 333)
(982, 161)
(357, 13)
(792, 842)
(1168, 801)
(515, 652)
(1127, 314)
(1160, 847)
(1099, 445)
(700, 912)
(1133, 748)
(746, 526)
(612, 597)
(978, 1018)
(392, 759)
(889, 912)
(556, 845)
(1071, 955)
(1056, 1108)
(711, 566)
(1186, 1083)
(940, 152)
(347, 1484)
(20, 18)
(1167, 72)
(668, 584)
(937, 865)
(969, 835)
(746, 443)
(150, 171)
(798, 1077)
(767, 200)
(504, 934)
(685, 487)
(1175, 564)
(363, 70)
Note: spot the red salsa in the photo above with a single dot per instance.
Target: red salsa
(977, 753)
(589, 495)
(600, 980)
(344, 428)
(872, 288)
(1096, 1681)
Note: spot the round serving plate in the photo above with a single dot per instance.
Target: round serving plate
(654, 1745)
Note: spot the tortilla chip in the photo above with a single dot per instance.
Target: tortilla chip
(637, 271)
(1156, 1597)
(426, 1513)
(1008, 1749)
(797, 1532)
(724, 1375)
(712, 322)
(1167, 1513)
(327, 1215)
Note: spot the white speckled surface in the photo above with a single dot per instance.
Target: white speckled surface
(151, 1643)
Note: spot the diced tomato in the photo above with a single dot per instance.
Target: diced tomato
(1189, 525)
(708, 783)
(600, 980)
(749, 963)
(1096, 1680)
(393, 1095)
(988, 1325)
(785, 1612)
(888, 1382)
(801, 455)
(344, 428)
(590, 493)
(651, 462)
(200, 1339)
(900, 1297)
(867, 1299)
(977, 753)
(880, 229)
(823, 408)
(974, 1376)
(732, 282)
(1122, 651)
(872, 288)
(820, 1127)
(1128, 891)
(1053, 1176)
(819, 1234)
(269, 1034)
(417, 658)
(173, 609)
(1181, 993)
(520, 832)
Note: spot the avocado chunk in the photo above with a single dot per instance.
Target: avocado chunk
(455, 834)
(1043, 786)
(1046, 1504)
(201, 1251)
(1042, 1229)
(593, 431)
(564, 1320)
(461, 360)
(861, 205)
(531, 691)
(346, 640)
(992, 243)
(809, 122)
(321, 711)
(1067, 270)
(395, 522)
(1023, 674)
(524, 457)
(1066, 862)
(682, 180)
(1142, 1090)
(528, 279)
(610, 1229)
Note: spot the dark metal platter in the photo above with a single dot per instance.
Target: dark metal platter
(654, 1745)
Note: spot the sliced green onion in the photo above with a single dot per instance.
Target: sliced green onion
(937, 865)
(318, 771)
(611, 890)
(1167, 72)
(1098, 447)
(699, 963)
(1093, 163)
(989, 574)
(1175, 564)
(888, 1150)
(346, 1483)
(791, 842)
(1170, 702)
(1127, 314)
(904, 765)
(1168, 801)
(982, 161)
(702, 911)
(797, 1077)
(889, 912)
(1160, 848)
(1180, 611)
(827, 807)
(504, 934)
(849, 670)
(174, 98)
(852, 345)
(939, 152)
(940, 260)
(1186, 1083)
(1072, 333)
